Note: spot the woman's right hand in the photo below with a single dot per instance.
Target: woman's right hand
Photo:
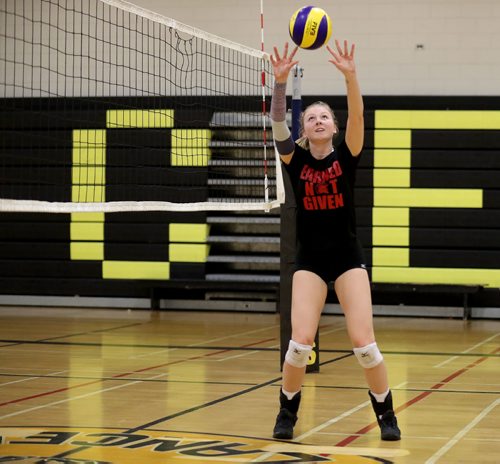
(282, 65)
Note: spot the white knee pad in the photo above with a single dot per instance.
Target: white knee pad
(297, 354)
(369, 356)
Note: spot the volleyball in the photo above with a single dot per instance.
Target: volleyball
(310, 27)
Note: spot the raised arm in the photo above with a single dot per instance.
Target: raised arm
(343, 60)
(281, 133)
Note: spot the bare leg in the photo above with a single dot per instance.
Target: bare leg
(308, 299)
(354, 294)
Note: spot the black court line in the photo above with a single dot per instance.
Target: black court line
(181, 413)
(48, 340)
(10, 344)
(417, 390)
(214, 382)
(233, 348)
(94, 331)
(425, 353)
(114, 379)
(124, 429)
(126, 374)
(135, 345)
(202, 406)
(177, 432)
(220, 400)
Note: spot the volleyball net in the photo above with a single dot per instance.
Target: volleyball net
(105, 106)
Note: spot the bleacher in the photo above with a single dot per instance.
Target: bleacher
(457, 247)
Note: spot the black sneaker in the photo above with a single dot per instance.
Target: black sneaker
(284, 424)
(287, 417)
(389, 430)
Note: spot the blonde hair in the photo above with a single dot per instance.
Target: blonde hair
(303, 141)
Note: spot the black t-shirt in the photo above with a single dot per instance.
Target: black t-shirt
(324, 192)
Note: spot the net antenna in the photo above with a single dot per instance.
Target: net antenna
(108, 107)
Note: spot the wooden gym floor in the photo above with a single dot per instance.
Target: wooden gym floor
(118, 386)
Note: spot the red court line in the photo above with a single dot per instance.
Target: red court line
(144, 369)
(418, 398)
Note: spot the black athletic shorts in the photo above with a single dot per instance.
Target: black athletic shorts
(329, 264)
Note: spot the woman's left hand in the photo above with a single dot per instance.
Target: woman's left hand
(343, 58)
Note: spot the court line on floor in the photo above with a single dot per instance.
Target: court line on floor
(51, 375)
(248, 353)
(442, 451)
(466, 351)
(118, 376)
(418, 398)
(59, 390)
(213, 340)
(408, 389)
(219, 400)
(229, 348)
(49, 340)
(200, 345)
(213, 382)
(273, 346)
(111, 379)
(336, 419)
(136, 345)
(109, 329)
(274, 380)
(338, 329)
(86, 395)
(425, 353)
(163, 419)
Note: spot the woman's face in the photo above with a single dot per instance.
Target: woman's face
(319, 125)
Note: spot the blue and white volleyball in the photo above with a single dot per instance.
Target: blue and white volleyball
(310, 27)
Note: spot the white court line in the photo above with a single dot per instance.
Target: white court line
(237, 356)
(332, 421)
(467, 351)
(31, 378)
(406, 436)
(152, 353)
(205, 342)
(338, 418)
(42, 406)
(324, 425)
(338, 329)
(435, 457)
(334, 450)
(244, 354)
(463, 385)
(30, 350)
(274, 346)
(280, 448)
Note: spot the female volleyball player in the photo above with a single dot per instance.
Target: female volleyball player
(322, 176)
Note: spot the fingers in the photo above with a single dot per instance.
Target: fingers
(333, 53)
(339, 49)
(277, 54)
(342, 51)
(277, 59)
(285, 50)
